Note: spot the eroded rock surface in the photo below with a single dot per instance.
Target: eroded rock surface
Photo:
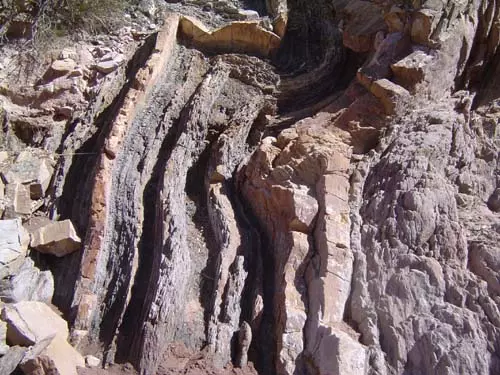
(307, 187)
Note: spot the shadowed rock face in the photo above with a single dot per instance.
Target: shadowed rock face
(325, 202)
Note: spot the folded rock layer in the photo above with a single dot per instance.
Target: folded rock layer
(314, 190)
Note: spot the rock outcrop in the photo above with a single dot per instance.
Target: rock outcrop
(311, 187)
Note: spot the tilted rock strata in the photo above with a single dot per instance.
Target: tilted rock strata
(286, 219)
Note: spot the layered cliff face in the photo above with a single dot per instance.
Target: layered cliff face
(313, 187)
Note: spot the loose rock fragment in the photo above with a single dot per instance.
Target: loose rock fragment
(13, 246)
(28, 283)
(57, 238)
(30, 322)
(53, 356)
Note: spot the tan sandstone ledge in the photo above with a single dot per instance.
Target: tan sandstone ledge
(240, 36)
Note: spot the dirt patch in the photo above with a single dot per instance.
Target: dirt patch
(177, 360)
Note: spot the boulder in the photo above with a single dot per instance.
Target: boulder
(53, 356)
(411, 70)
(18, 199)
(389, 94)
(57, 238)
(11, 359)
(30, 322)
(423, 24)
(363, 19)
(396, 19)
(13, 246)
(59, 68)
(110, 63)
(494, 201)
(32, 170)
(28, 284)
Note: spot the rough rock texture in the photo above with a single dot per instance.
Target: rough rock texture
(57, 238)
(11, 359)
(30, 322)
(13, 246)
(309, 186)
(27, 283)
(53, 356)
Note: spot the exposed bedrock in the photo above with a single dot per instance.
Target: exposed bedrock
(297, 185)
(315, 192)
(413, 291)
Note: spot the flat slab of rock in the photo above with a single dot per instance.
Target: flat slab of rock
(52, 356)
(13, 246)
(27, 284)
(30, 322)
(11, 359)
(110, 63)
(57, 238)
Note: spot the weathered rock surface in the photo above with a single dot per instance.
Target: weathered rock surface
(52, 355)
(321, 199)
(30, 322)
(242, 36)
(10, 360)
(13, 246)
(58, 238)
(27, 283)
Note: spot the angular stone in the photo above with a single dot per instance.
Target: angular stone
(305, 209)
(28, 284)
(389, 94)
(13, 246)
(395, 19)
(63, 66)
(33, 170)
(52, 356)
(92, 361)
(57, 238)
(494, 201)
(10, 360)
(248, 14)
(19, 200)
(423, 24)
(411, 70)
(30, 322)
(363, 20)
(279, 24)
(4, 348)
(108, 65)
